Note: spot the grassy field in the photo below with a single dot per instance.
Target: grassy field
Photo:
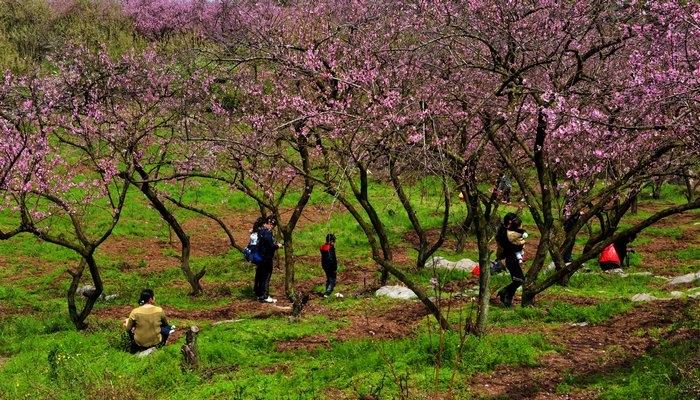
(584, 340)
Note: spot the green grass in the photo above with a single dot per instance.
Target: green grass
(69, 364)
(559, 312)
(668, 372)
(243, 359)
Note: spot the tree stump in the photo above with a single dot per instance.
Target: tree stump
(189, 349)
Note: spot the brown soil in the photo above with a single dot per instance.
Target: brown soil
(588, 350)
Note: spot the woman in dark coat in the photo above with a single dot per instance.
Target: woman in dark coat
(507, 250)
(266, 247)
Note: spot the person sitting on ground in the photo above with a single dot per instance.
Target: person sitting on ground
(517, 235)
(147, 325)
(614, 255)
(329, 263)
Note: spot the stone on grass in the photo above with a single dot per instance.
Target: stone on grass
(466, 265)
(226, 321)
(147, 352)
(86, 290)
(617, 271)
(439, 262)
(647, 273)
(443, 263)
(676, 293)
(396, 292)
(644, 297)
(550, 268)
(684, 279)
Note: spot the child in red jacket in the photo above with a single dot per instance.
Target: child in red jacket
(329, 263)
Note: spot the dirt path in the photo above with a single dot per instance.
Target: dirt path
(588, 350)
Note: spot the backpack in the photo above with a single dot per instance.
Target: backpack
(609, 255)
(497, 266)
(251, 253)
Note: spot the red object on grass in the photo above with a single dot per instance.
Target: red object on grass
(476, 270)
(609, 255)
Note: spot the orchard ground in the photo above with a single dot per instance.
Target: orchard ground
(583, 351)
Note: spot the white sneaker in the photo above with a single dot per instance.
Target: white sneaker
(270, 300)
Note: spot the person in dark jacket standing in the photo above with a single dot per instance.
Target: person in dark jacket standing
(508, 251)
(266, 247)
(329, 263)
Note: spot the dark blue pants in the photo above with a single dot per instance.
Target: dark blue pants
(263, 273)
(516, 274)
(164, 334)
(331, 278)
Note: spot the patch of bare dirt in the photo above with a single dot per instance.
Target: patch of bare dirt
(588, 350)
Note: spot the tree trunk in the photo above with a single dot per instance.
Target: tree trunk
(528, 299)
(482, 316)
(189, 350)
(289, 265)
(422, 296)
(690, 186)
(192, 278)
(656, 189)
(78, 319)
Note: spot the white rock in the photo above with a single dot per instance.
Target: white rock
(694, 295)
(617, 271)
(643, 297)
(642, 273)
(550, 268)
(466, 265)
(441, 262)
(684, 279)
(147, 352)
(676, 293)
(396, 292)
(85, 290)
(226, 321)
(436, 262)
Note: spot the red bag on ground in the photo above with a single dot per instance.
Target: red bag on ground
(476, 270)
(609, 255)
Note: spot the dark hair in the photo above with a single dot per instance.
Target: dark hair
(330, 238)
(145, 296)
(516, 222)
(258, 224)
(508, 218)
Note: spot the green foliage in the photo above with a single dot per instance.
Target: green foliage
(32, 29)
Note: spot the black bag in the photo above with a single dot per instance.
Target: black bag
(497, 266)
